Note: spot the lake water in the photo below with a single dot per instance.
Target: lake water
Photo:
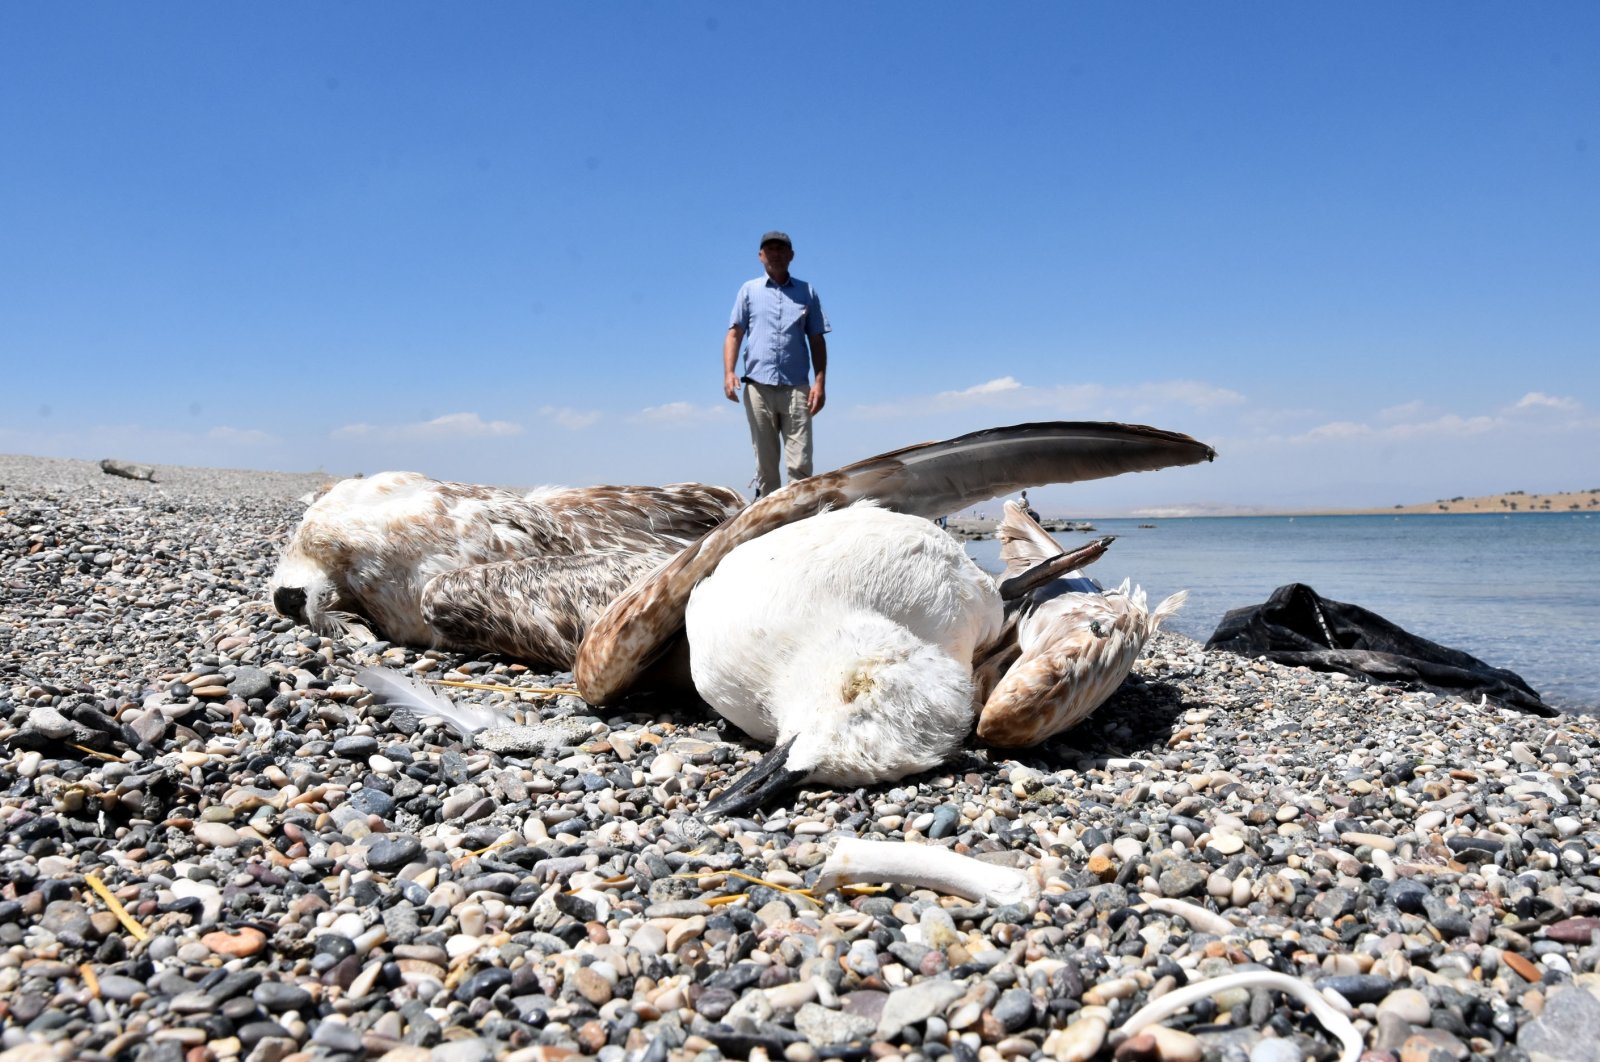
(1519, 591)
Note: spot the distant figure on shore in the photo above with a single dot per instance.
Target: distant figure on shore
(1029, 509)
(783, 320)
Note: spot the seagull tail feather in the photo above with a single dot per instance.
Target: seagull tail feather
(1165, 610)
(1023, 543)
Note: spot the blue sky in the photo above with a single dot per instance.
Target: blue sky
(1355, 247)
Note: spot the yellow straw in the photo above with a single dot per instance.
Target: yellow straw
(117, 909)
(696, 875)
(497, 688)
(92, 752)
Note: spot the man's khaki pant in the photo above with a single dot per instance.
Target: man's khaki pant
(775, 412)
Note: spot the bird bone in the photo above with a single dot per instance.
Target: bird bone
(925, 867)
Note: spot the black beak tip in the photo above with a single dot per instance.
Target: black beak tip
(759, 784)
(290, 601)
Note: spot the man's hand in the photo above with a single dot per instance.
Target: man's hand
(730, 358)
(816, 399)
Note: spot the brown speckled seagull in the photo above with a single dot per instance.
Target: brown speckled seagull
(460, 566)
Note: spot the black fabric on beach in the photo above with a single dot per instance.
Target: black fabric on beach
(1296, 626)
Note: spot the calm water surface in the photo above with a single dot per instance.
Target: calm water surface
(1520, 591)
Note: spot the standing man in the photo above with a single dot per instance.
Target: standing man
(783, 319)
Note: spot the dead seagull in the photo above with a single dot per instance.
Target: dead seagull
(459, 566)
(896, 622)
(645, 624)
(850, 641)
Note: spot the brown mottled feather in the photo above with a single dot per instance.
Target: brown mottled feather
(535, 610)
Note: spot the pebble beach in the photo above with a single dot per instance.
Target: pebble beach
(215, 845)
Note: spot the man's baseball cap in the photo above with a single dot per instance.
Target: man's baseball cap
(777, 237)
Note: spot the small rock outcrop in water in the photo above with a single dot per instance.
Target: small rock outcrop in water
(1298, 627)
(127, 470)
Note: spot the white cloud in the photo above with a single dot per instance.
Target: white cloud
(1405, 411)
(469, 425)
(1447, 425)
(1006, 392)
(1540, 400)
(571, 419)
(993, 387)
(679, 414)
(1193, 394)
(1338, 429)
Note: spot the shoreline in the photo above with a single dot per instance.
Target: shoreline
(981, 530)
(315, 875)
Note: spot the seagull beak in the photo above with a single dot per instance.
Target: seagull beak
(766, 779)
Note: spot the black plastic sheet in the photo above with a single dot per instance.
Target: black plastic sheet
(1298, 627)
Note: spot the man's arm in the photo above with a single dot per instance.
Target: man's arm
(730, 357)
(819, 369)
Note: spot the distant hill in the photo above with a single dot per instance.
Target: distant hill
(1515, 501)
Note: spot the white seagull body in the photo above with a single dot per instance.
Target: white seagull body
(461, 566)
(861, 643)
(845, 634)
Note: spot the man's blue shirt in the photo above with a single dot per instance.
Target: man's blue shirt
(776, 320)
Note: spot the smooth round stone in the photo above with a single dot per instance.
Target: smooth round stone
(1014, 1009)
(216, 834)
(666, 765)
(1371, 840)
(1275, 1050)
(1407, 1004)
(1127, 848)
(119, 988)
(475, 1049)
(648, 940)
(1227, 843)
(392, 851)
(944, 822)
(1079, 1041)
(1175, 1045)
(1408, 895)
(280, 996)
(1357, 988)
(373, 802)
(240, 943)
(823, 1027)
(356, 747)
(250, 682)
(1429, 820)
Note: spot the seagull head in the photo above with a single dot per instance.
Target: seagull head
(305, 592)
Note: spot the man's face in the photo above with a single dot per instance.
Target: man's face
(776, 256)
